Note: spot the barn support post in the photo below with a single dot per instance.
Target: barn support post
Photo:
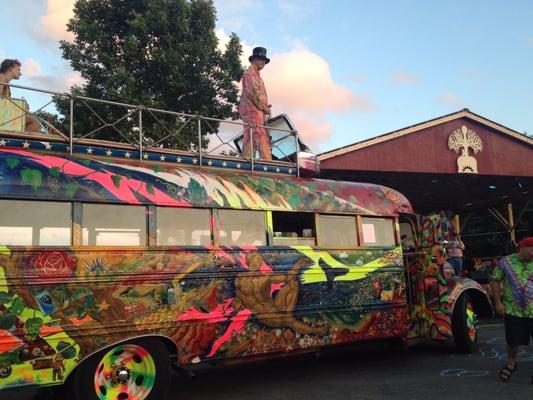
(511, 222)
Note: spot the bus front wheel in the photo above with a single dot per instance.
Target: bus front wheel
(137, 370)
(464, 325)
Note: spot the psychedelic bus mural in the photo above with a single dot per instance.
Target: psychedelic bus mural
(110, 269)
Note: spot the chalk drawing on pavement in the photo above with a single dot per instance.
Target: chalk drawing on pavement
(463, 373)
(494, 349)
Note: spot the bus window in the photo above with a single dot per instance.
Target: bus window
(113, 225)
(407, 236)
(183, 227)
(377, 232)
(293, 228)
(335, 231)
(242, 228)
(427, 234)
(34, 223)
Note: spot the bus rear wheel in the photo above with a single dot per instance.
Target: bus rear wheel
(464, 325)
(136, 370)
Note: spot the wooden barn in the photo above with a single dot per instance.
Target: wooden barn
(475, 168)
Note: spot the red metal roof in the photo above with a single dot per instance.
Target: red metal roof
(424, 148)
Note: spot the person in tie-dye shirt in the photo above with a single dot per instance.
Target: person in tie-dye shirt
(254, 107)
(516, 273)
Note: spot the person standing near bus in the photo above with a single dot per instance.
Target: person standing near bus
(516, 273)
(9, 70)
(254, 107)
(455, 248)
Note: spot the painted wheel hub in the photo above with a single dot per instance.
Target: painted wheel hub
(121, 375)
(127, 372)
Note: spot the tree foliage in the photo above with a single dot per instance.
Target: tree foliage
(156, 53)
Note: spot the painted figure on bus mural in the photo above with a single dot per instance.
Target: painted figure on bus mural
(254, 107)
(217, 304)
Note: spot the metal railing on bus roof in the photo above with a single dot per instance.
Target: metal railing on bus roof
(223, 142)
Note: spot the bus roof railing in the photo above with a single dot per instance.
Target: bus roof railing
(131, 126)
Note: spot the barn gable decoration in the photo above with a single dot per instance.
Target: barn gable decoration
(462, 140)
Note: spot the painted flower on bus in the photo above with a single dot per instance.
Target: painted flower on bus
(54, 263)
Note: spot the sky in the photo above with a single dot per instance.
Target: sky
(343, 70)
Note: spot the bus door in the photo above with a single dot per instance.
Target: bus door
(432, 260)
(412, 261)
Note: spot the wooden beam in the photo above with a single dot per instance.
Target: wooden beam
(456, 224)
(496, 214)
(511, 222)
(522, 212)
(465, 221)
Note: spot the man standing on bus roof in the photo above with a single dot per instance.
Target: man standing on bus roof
(516, 273)
(254, 106)
(9, 70)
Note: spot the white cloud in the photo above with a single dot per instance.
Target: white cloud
(223, 39)
(402, 77)
(56, 79)
(49, 26)
(73, 78)
(53, 24)
(31, 68)
(299, 83)
(451, 99)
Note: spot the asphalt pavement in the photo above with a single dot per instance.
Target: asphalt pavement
(366, 372)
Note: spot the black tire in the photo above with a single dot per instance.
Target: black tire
(83, 383)
(464, 325)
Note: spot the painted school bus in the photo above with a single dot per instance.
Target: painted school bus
(111, 269)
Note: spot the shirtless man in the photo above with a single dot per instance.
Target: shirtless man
(9, 70)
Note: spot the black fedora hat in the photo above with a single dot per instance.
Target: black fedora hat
(260, 53)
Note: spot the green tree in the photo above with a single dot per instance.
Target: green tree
(156, 53)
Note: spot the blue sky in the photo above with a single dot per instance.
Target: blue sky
(346, 70)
